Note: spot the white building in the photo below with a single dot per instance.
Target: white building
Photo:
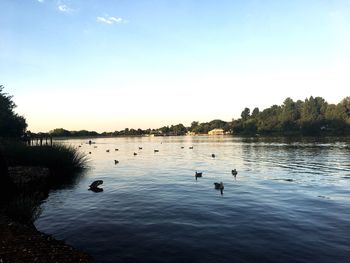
(216, 132)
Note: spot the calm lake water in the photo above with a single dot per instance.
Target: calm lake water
(290, 201)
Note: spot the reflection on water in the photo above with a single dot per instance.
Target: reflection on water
(289, 203)
(23, 203)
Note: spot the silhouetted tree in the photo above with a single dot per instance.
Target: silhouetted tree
(11, 124)
(245, 114)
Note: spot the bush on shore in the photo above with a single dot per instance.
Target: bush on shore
(59, 158)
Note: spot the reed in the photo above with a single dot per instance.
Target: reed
(58, 157)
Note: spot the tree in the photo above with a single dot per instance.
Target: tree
(312, 116)
(60, 132)
(245, 114)
(11, 124)
(255, 113)
(344, 108)
(218, 124)
(289, 115)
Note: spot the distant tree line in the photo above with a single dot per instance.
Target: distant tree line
(313, 116)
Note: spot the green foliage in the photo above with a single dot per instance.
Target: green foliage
(205, 127)
(245, 114)
(314, 116)
(58, 157)
(65, 133)
(11, 124)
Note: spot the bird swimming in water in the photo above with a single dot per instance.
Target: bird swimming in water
(116, 150)
(213, 155)
(140, 148)
(94, 186)
(219, 186)
(107, 151)
(197, 174)
(89, 152)
(156, 151)
(191, 147)
(234, 172)
(135, 153)
(182, 147)
(116, 161)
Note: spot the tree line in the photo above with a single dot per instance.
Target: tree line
(313, 116)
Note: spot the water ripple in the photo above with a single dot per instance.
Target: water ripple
(288, 203)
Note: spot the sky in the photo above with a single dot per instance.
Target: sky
(105, 65)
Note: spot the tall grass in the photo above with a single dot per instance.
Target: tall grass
(57, 157)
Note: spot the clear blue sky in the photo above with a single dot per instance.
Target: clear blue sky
(106, 65)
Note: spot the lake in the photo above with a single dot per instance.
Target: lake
(290, 201)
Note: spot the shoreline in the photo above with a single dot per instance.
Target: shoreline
(21, 243)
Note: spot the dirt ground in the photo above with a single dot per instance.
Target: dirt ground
(19, 243)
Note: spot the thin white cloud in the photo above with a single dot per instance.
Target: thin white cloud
(110, 20)
(64, 8)
(40, 1)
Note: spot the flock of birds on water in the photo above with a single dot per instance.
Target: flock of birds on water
(218, 186)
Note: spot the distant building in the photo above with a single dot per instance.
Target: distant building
(190, 133)
(216, 132)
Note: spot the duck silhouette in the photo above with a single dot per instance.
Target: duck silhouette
(219, 186)
(234, 172)
(116, 161)
(94, 186)
(198, 174)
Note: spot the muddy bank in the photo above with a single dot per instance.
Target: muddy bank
(22, 189)
(20, 243)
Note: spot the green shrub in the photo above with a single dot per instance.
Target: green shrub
(58, 157)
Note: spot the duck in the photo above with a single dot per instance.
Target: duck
(116, 161)
(156, 151)
(107, 151)
(182, 147)
(89, 152)
(219, 186)
(234, 172)
(94, 186)
(213, 155)
(140, 148)
(116, 149)
(191, 147)
(135, 153)
(95, 146)
(198, 174)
